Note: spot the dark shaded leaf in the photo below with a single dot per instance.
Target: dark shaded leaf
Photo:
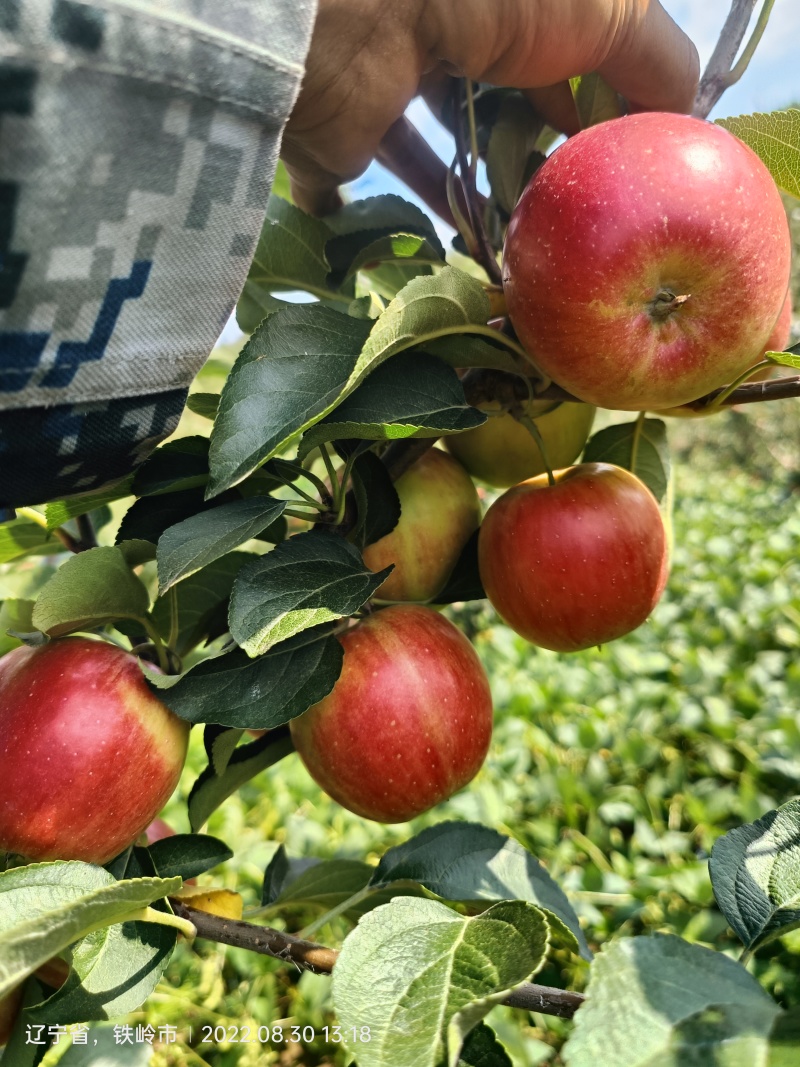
(412, 395)
(294, 369)
(259, 694)
(181, 464)
(471, 863)
(616, 444)
(310, 579)
(377, 502)
(201, 602)
(187, 855)
(201, 539)
(210, 790)
(755, 873)
(464, 582)
(275, 876)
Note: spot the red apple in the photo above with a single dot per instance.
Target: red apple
(577, 563)
(88, 755)
(647, 261)
(440, 510)
(503, 452)
(408, 722)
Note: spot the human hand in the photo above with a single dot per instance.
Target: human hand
(369, 58)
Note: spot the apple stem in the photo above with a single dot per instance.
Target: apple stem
(158, 644)
(722, 396)
(665, 303)
(340, 494)
(533, 430)
(163, 918)
(638, 431)
(66, 539)
(174, 621)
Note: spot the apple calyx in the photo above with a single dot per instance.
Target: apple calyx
(664, 304)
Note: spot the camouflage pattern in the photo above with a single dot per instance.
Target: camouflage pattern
(138, 141)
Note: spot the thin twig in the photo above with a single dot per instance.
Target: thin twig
(86, 534)
(715, 77)
(310, 956)
(485, 254)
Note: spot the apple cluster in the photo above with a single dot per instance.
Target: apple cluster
(646, 264)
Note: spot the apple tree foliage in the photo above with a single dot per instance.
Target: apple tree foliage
(237, 558)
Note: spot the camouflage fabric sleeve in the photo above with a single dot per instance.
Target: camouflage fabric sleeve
(138, 141)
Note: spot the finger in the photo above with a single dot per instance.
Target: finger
(314, 190)
(654, 65)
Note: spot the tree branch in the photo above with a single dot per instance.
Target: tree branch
(262, 939)
(716, 77)
(406, 153)
(319, 959)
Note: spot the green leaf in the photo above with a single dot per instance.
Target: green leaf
(379, 228)
(412, 395)
(210, 790)
(472, 863)
(389, 277)
(114, 971)
(103, 1049)
(137, 551)
(187, 855)
(148, 518)
(376, 500)
(201, 603)
(258, 694)
(755, 873)
(46, 907)
(60, 511)
(482, 1049)
(615, 444)
(294, 369)
(275, 876)
(775, 138)
(425, 309)
(511, 155)
(290, 254)
(205, 404)
(464, 350)
(784, 359)
(201, 539)
(595, 100)
(387, 212)
(220, 743)
(181, 464)
(89, 590)
(662, 1002)
(325, 885)
(464, 582)
(16, 615)
(310, 579)
(446, 974)
(21, 537)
